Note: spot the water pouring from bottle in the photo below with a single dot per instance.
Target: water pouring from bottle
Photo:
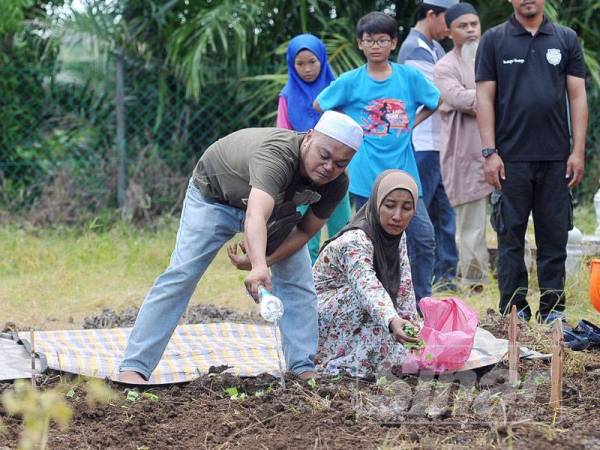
(271, 309)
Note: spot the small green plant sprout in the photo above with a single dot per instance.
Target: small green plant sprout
(132, 395)
(37, 409)
(231, 391)
(234, 394)
(150, 396)
(312, 383)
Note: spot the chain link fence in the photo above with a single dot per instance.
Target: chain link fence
(91, 142)
(87, 140)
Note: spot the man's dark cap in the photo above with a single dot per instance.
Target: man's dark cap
(460, 9)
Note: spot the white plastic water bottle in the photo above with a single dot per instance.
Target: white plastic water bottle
(271, 307)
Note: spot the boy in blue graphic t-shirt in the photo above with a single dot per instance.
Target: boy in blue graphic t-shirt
(383, 97)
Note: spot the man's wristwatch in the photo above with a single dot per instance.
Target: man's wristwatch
(487, 152)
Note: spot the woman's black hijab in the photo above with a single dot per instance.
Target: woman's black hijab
(386, 246)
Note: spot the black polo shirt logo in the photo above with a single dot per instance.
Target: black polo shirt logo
(513, 61)
(554, 56)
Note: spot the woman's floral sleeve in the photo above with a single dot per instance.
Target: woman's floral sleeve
(357, 259)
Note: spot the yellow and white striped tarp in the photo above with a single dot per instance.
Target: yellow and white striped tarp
(247, 349)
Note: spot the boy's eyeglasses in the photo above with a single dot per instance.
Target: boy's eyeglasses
(382, 43)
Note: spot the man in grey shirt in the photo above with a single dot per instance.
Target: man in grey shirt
(251, 181)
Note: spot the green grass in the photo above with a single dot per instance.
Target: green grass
(53, 278)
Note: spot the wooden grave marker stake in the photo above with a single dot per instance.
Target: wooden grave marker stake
(556, 366)
(513, 347)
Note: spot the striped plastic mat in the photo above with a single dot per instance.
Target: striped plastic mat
(247, 349)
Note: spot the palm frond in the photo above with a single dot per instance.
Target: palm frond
(220, 33)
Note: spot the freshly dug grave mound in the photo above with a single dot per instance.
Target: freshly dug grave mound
(195, 314)
(222, 411)
(218, 410)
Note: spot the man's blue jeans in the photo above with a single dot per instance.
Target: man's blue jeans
(205, 226)
(420, 242)
(441, 214)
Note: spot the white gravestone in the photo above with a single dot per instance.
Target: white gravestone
(591, 243)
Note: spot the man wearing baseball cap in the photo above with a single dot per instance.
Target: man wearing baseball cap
(252, 181)
(422, 50)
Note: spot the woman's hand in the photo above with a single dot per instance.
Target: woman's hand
(239, 260)
(397, 325)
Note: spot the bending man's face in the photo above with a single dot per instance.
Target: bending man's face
(323, 159)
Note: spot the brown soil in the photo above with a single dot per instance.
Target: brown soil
(405, 412)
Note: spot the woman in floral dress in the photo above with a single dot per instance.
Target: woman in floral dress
(363, 283)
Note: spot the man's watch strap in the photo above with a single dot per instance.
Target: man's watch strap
(488, 151)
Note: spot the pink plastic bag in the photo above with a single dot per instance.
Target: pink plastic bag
(448, 331)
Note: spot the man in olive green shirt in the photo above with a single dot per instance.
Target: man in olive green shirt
(251, 181)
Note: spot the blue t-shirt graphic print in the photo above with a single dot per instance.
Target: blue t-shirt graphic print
(384, 116)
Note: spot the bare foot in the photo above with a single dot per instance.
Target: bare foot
(131, 378)
(305, 376)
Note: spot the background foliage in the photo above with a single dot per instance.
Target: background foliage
(193, 71)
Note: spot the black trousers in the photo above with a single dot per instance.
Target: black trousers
(542, 189)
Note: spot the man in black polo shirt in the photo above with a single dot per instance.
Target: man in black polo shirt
(530, 77)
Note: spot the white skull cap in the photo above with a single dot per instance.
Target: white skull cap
(341, 128)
